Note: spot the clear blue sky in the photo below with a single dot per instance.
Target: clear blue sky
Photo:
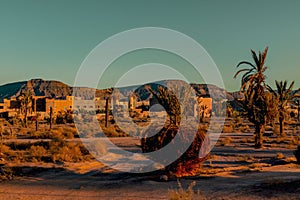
(50, 39)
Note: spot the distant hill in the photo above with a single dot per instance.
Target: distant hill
(38, 87)
(57, 89)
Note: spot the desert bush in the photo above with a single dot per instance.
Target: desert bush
(4, 149)
(269, 128)
(182, 194)
(37, 152)
(68, 153)
(226, 141)
(279, 156)
(297, 154)
(56, 134)
(63, 151)
(39, 134)
(70, 132)
(228, 129)
(245, 128)
(238, 120)
(115, 131)
(276, 130)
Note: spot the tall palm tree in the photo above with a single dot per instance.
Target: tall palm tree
(107, 99)
(26, 104)
(283, 95)
(253, 86)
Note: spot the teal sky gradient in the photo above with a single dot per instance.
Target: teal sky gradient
(50, 39)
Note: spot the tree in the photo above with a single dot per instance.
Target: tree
(283, 95)
(175, 100)
(4, 123)
(253, 86)
(169, 101)
(26, 105)
(107, 99)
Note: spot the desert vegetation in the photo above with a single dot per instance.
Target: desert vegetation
(265, 119)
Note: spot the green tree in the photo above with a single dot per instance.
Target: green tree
(253, 86)
(26, 105)
(283, 94)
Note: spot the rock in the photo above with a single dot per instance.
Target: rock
(164, 178)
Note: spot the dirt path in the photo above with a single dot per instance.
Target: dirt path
(277, 182)
(235, 171)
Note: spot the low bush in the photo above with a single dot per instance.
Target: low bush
(182, 194)
(37, 152)
(228, 129)
(297, 154)
(226, 141)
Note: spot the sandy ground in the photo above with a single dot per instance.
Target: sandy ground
(277, 182)
(236, 171)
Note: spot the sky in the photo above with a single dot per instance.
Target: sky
(51, 39)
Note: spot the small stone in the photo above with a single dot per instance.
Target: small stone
(164, 178)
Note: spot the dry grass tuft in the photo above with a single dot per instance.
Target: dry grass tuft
(182, 194)
(226, 141)
(279, 156)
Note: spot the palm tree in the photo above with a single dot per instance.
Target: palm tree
(107, 99)
(283, 94)
(26, 104)
(253, 86)
(174, 106)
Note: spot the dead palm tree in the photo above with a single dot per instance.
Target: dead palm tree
(26, 104)
(253, 86)
(283, 95)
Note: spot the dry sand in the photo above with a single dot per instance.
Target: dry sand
(236, 171)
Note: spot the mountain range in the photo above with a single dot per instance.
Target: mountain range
(57, 89)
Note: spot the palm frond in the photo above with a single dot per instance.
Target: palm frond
(238, 72)
(255, 58)
(247, 63)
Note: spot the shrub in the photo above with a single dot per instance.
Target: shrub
(228, 129)
(70, 132)
(226, 141)
(65, 151)
(279, 156)
(37, 152)
(276, 130)
(297, 154)
(4, 149)
(181, 194)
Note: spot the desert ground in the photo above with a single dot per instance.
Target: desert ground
(235, 170)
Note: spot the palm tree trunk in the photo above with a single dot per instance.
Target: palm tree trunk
(25, 118)
(50, 118)
(259, 131)
(106, 113)
(281, 125)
